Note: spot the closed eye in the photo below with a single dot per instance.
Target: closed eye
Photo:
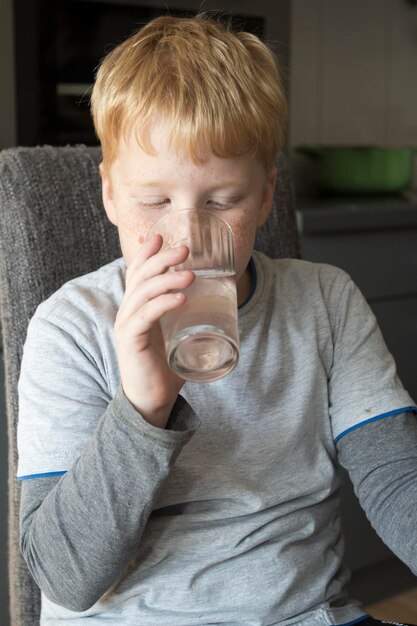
(223, 204)
(154, 203)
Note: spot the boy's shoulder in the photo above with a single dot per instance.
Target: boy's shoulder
(86, 295)
(304, 277)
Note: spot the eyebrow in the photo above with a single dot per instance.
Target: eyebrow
(229, 184)
(137, 183)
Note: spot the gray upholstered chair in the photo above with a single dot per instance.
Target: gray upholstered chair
(53, 228)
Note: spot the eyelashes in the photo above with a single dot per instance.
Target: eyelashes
(223, 205)
(156, 203)
(160, 203)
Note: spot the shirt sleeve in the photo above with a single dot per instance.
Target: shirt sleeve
(363, 382)
(63, 390)
(79, 532)
(381, 459)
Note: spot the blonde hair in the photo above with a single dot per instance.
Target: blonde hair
(219, 90)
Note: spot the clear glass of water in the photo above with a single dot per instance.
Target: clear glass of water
(201, 337)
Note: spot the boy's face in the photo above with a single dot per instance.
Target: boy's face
(139, 188)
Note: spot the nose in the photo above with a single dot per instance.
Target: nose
(183, 206)
(187, 199)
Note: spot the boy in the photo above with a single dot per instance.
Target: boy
(150, 501)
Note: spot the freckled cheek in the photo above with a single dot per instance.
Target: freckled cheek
(243, 239)
(135, 227)
(132, 234)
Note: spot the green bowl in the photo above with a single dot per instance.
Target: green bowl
(362, 170)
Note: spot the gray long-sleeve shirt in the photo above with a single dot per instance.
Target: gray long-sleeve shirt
(235, 521)
(79, 532)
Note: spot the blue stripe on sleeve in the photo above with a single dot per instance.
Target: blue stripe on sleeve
(356, 621)
(376, 418)
(41, 475)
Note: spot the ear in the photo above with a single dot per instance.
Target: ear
(267, 196)
(107, 195)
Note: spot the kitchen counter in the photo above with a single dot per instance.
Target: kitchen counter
(356, 213)
(373, 239)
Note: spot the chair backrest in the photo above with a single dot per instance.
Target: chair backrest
(53, 228)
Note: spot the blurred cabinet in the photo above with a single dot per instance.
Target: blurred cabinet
(55, 46)
(353, 78)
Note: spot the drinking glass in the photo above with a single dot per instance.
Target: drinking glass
(201, 337)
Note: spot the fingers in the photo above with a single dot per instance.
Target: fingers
(149, 285)
(147, 249)
(153, 288)
(149, 314)
(150, 261)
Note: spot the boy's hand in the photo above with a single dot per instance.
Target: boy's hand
(147, 381)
